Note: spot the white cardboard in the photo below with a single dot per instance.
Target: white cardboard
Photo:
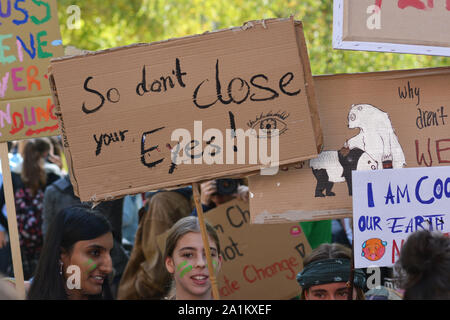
(339, 43)
(391, 204)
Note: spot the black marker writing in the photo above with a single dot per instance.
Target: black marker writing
(107, 139)
(163, 83)
(239, 90)
(112, 95)
(233, 129)
(409, 92)
(145, 151)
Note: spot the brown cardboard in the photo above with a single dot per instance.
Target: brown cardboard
(309, 85)
(276, 251)
(30, 37)
(28, 118)
(290, 195)
(399, 24)
(142, 122)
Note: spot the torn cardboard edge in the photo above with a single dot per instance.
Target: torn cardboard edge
(309, 79)
(174, 41)
(65, 143)
(234, 173)
(69, 51)
(299, 215)
(390, 74)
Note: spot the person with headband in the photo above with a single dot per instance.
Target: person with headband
(185, 260)
(326, 274)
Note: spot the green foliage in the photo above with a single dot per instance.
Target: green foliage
(107, 24)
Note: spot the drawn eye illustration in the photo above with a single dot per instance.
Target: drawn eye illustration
(352, 117)
(265, 126)
(268, 124)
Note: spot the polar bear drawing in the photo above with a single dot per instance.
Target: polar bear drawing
(336, 166)
(376, 136)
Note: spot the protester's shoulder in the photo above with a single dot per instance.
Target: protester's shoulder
(186, 192)
(61, 184)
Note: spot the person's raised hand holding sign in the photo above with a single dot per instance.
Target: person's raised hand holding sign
(217, 192)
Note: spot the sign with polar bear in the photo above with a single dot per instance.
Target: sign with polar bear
(376, 146)
(371, 122)
(389, 205)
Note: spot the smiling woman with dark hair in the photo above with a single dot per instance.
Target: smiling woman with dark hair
(75, 261)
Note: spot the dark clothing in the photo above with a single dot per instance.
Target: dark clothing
(18, 184)
(4, 221)
(28, 207)
(58, 196)
(205, 208)
(186, 192)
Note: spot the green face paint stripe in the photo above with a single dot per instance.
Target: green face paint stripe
(186, 270)
(89, 262)
(181, 265)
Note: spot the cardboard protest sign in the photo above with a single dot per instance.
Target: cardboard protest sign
(150, 116)
(259, 261)
(370, 121)
(389, 205)
(29, 38)
(402, 26)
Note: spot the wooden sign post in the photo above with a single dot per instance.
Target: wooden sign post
(205, 237)
(30, 38)
(12, 221)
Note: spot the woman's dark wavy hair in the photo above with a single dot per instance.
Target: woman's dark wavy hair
(424, 266)
(70, 225)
